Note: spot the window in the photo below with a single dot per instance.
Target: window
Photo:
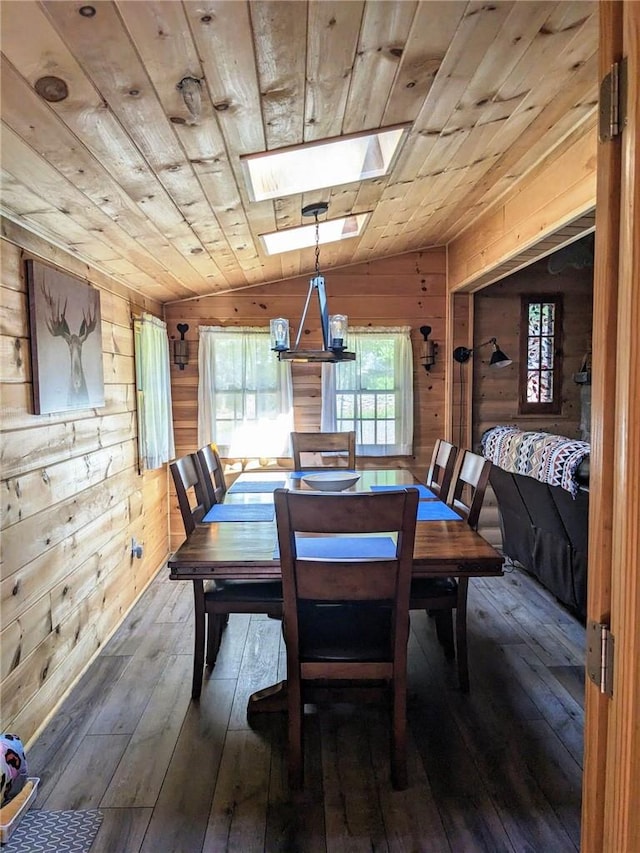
(153, 386)
(329, 231)
(245, 400)
(373, 395)
(323, 163)
(541, 355)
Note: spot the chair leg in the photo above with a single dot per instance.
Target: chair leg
(295, 711)
(199, 637)
(399, 778)
(215, 626)
(444, 632)
(461, 635)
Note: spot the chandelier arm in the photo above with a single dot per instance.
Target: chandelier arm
(304, 313)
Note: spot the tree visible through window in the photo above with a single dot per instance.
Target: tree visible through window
(541, 355)
(373, 395)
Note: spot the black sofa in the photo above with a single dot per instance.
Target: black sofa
(545, 529)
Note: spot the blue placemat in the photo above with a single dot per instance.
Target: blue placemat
(256, 485)
(424, 491)
(344, 547)
(240, 512)
(436, 511)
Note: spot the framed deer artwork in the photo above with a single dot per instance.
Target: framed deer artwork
(66, 340)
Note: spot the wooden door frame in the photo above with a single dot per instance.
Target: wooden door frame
(611, 787)
(611, 783)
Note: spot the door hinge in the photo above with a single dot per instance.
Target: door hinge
(600, 647)
(613, 102)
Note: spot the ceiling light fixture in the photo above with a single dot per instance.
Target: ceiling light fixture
(498, 358)
(334, 326)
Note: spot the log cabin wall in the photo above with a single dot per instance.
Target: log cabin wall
(404, 290)
(72, 501)
(495, 392)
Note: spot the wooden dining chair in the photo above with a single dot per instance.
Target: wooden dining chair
(341, 446)
(214, 602)
(346, 619)
(440, 474)
(441, 596)
(213, 473)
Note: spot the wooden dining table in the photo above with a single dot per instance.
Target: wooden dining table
(247, 549)
(242, 545)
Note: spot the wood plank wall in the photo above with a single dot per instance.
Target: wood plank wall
(495, 392)
(72, 501)
(404, 290)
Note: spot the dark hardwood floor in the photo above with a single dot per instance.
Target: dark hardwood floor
(496, 770)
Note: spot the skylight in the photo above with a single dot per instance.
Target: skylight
(329, 231)
(327, 163)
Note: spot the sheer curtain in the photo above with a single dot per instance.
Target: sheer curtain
(153, 382)
(374, 393)
(245, 395)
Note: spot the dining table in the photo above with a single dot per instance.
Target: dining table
(237, 539)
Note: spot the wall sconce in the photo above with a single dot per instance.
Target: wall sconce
(498, 358)
(181, 347)
(429, 349)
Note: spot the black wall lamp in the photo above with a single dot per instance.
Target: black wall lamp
(181, 347)
(429, 349)
(498, 358)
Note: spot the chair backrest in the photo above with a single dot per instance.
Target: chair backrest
(343, 443)
(309, 582)
(440, 474)
(469, 485)
(212, 473)
(188, 481)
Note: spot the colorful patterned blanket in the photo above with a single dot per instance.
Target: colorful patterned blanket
(552, 459)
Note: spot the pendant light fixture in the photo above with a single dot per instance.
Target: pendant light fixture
(334, 326)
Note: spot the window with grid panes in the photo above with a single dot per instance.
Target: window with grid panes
(540, 386)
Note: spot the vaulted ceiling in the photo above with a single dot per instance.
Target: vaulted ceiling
(102, 156)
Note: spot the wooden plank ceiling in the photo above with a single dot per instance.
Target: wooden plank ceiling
(120, 174)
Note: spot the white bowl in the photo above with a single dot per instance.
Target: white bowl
(331, 481)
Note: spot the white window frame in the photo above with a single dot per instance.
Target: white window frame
(400, 385)
(260, 375)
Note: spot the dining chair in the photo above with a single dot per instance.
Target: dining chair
(346, 617)
(214, 602)
(440, 474)
(441, 596)
(342, 446)
(213, 473)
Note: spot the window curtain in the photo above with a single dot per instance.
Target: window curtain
(153, 381)
(372, 372)
(245, 394)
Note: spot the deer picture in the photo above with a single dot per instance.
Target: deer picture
(59, 328)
